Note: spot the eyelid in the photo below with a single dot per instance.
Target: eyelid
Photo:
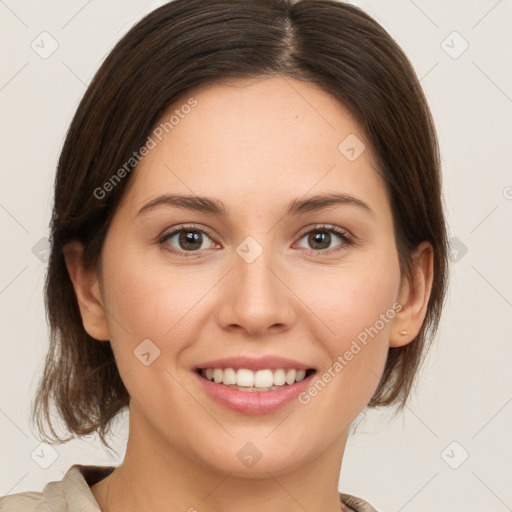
(328, 227)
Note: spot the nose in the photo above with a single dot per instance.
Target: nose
(256, 297)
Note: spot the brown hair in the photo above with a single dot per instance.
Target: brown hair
(189, 44)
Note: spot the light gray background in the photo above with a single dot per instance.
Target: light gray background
(465, 390)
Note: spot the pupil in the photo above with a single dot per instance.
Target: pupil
(191, 237)
(318, 238)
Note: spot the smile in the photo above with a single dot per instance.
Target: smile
(244, 379)
(253, 392)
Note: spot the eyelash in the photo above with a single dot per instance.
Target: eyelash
(347, 241)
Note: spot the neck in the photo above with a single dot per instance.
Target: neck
(159, 478)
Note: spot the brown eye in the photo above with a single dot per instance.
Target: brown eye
(319, 240)
(186, 239)
(190, 240)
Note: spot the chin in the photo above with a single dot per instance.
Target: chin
(243, 459)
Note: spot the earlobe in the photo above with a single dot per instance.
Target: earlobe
(88, 293)
(414, 297)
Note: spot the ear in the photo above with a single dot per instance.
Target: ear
(87, 289)
(414, 297)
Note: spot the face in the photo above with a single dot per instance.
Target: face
(318, 285)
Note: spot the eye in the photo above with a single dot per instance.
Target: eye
(321, 238)
(190, 239)
(186, 239)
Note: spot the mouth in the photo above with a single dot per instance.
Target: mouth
(262, 380)
(254, 385)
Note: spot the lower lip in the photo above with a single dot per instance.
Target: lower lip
(254, 402)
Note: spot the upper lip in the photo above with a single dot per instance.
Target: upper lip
(255, 363)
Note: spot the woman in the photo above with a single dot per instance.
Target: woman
(248, 249)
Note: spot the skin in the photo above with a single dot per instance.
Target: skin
(256, 146)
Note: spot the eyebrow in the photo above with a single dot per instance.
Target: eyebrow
(216, 207)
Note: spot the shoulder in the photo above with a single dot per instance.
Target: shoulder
(51, 498)
(21, 501)
(71, 493)
(355, 504)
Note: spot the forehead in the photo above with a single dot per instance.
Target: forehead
(268, 136)
(289, 118)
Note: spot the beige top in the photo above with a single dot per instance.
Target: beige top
(73, 494)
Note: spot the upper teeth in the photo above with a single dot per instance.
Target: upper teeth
(258, 379)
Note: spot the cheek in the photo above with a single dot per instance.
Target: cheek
(356, 307)
(150, 303)
(156, 305)
(349, 300)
